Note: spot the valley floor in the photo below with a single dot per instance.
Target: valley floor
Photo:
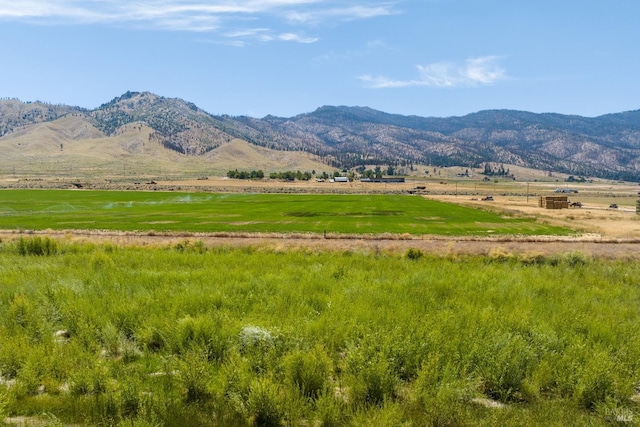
(601, 231)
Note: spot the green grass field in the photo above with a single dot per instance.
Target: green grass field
(281, 213)
(195, 336)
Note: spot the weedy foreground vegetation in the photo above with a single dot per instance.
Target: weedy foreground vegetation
(190, 335)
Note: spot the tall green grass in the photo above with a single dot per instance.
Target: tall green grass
(190, 335)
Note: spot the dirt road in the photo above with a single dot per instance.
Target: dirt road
(589, 245)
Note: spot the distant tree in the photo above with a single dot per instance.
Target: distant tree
(287, 175)
(235, 174)
(498, 171)
(303, 176)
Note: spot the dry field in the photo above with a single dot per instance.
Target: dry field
(601, 231)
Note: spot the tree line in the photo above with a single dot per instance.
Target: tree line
(287, 175)
(235, 174)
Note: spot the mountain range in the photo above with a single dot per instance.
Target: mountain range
(607, 146)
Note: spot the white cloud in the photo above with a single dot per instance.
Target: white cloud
(195, 15)
(479, 71)
(240, 37)
(30, 9)
(342, 13)
(291, 37)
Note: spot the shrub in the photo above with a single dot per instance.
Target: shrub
(442, 394)
(258, 345)
(205, 333)
(191, 247)
(330, 410)
(12, 357)
(575, 259)
(597, 382)
(195, 377)
(38, 246)
(111, 339)
(31, 374)
(80, 382)
(107, 409)
(129, 349)
(405, 353)
(413, 254)
(504, 366)
(130, 400)
(152, 339)
(376, 383)
(255, 337)
(264, 403)
(236, 378)
(532, 258)
(390, 414)
(21, 313)
(101, 261)
(308, 371)
(499, 254)
(85, 381)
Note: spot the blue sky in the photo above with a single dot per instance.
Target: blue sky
(286, 57)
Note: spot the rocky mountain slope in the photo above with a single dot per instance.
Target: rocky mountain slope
(15, 114)
(606, 146)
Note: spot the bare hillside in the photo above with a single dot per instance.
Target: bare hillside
(72, 147)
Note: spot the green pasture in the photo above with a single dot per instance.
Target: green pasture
(281, 213)
(101, 335)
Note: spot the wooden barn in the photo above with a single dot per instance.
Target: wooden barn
(554, 202)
